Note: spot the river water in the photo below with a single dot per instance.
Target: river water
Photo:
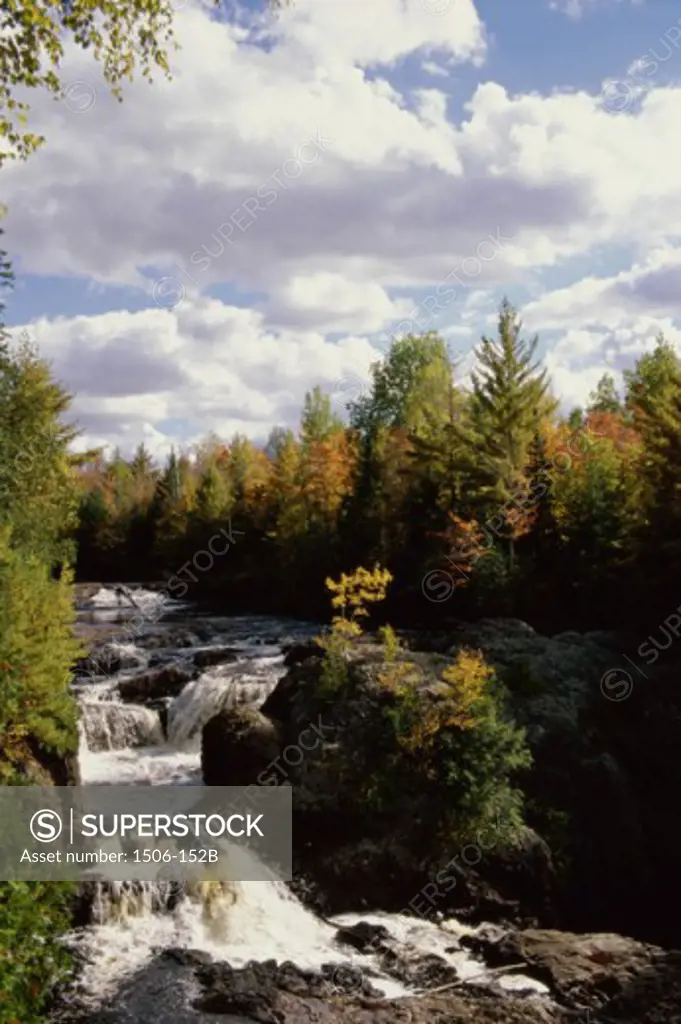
(129, 743)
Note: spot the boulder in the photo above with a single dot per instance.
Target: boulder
(166, 681)
(215, 656)
(236, 746)
(295, 654)
(600, 971)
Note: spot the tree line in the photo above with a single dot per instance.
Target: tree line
(479, 500)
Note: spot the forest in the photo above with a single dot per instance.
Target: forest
(483, 500)
(479, 501)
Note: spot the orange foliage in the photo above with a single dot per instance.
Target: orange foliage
(328, 474)
(465, 541)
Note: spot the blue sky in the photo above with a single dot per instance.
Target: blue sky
(338, 175)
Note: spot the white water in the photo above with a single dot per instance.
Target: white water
(243, 921)
(109, 725)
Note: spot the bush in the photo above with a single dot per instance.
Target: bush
(453, 743)
(351, 595)
(32, 958)
(37, 648)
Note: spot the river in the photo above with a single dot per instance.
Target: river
(142, 745)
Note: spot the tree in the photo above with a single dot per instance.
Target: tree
(509, 402)
(36, 470)
(212, 497)
(122, 35)
(654, 377)
(38, 712)
(142, 463)
(318, 422)
(410, 388)
(170, 509)
(605, 397)
(400, 424)
(285, 497)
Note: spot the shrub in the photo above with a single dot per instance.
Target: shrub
(36, 649)
(453, 743)
(351, 595)
(32, 958)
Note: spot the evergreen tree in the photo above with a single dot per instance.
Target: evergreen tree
(38, 714)
(510, 399)
(142, 464)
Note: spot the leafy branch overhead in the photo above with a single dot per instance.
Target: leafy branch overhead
(123, 36)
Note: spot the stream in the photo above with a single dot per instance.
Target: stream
(158, 742)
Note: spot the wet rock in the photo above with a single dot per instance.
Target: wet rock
(215, 656)
(259, 989)
(107, 660)
(295, 654)
(236, 746)
(596, 970)
(596, 979)
(614, 983)
(166, 681)
(363, 935)
(423, 972)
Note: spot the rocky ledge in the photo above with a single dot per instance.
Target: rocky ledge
(598, 820)
(592, 979)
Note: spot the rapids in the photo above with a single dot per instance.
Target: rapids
(129, 743)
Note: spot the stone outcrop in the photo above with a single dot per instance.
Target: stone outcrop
(166, 681)
(236, 746)
(592, 979)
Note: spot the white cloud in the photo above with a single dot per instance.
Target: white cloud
(576, 8)
(304, 173)
(212, 366)
(652, 287)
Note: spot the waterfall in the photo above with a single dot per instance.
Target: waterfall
(211, 693)
(109, 725)
(235, 922)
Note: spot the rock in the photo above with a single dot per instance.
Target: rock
(107, 660)
(363, 935)
(629, 988)
(215, 656)
(341, 835)
(295, 654)
(603, 972)
(237, 745)
(166, 681)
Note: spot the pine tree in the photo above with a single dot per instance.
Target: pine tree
(142, 463)
(510, 399)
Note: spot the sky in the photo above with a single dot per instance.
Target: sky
(315, 182)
